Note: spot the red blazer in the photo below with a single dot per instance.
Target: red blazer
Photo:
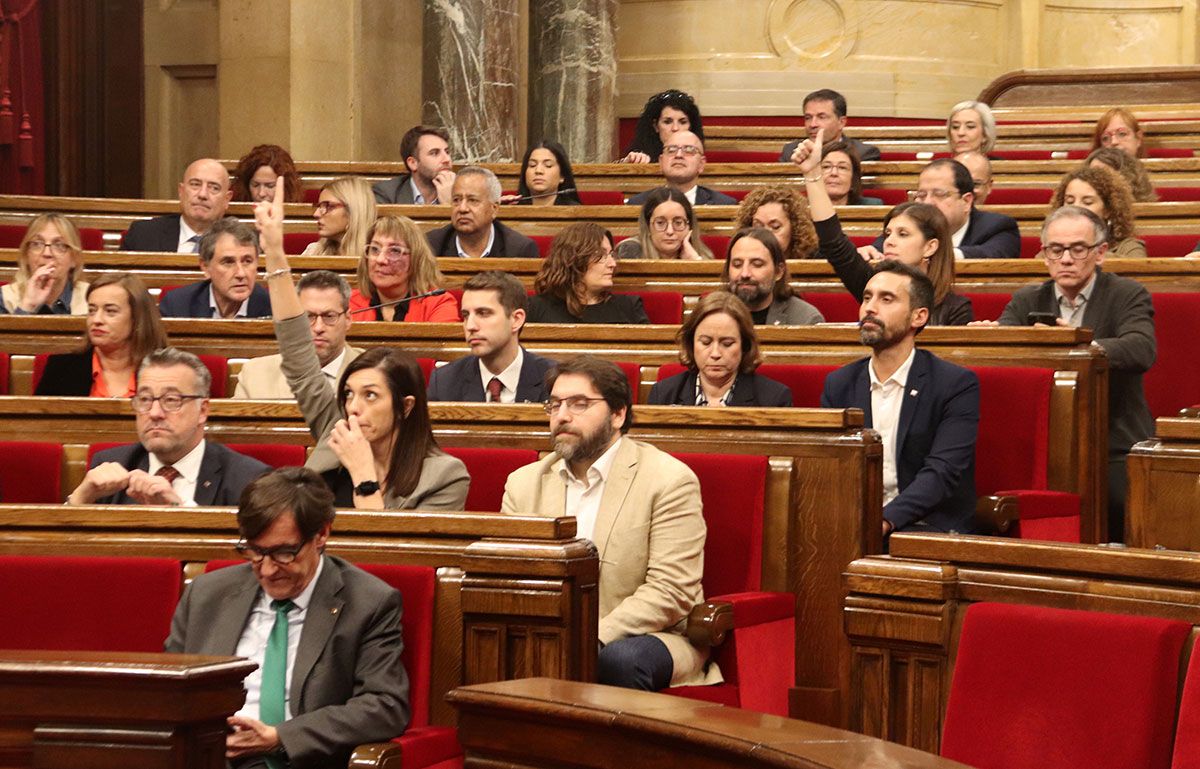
(431, 309)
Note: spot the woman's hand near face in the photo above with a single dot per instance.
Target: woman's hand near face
(687, 250)
(353, 450)
(635, 157)
(38, 288)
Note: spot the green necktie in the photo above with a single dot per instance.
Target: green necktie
(273, 693)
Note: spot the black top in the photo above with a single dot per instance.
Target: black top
(748, 390)
(67, 374)
(618, 308)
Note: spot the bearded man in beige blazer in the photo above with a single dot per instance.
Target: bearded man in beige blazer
(642, 509)
(325, 296)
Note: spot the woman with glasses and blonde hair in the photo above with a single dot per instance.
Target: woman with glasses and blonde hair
(666, 229)
(971, 127)
(1105, 193)
(344, 212)
(575, 282)
(49, 268)
(399, 264)
(1119, 128)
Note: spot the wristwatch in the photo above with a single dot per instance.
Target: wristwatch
(366, 488)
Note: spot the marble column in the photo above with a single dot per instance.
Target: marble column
(471, 77)
(573, 73)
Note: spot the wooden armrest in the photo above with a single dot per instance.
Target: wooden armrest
(708, 623)
(996, 515)
(383, 755)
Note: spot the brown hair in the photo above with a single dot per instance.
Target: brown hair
(855, 196)
(509, 291)
(933, 224)
(147, 333)
(656, 198)
(1114, 193)
(423, 273)
(783, 286)
(70, 236)
(573, 250)
(804, 235)
(711, 304)
(608, 379)
(412, 138)
(1130, 168)
(296, 490)
(1129, 120)
(279, 161)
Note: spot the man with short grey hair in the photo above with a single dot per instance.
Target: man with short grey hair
(229, 260)
(473, 230)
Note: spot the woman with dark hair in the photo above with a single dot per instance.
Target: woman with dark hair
(260, 170)
(666, 229)
(1103, 191)
(123, 326)
(546, 170)
(914, 233)
(1129, 167)
(664, 114)
(783, 211)
(718, 345)
(843, 175)
(49, 270)
(575, 282)
(376, 448)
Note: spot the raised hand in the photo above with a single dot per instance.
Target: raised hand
(808, 153)
(268, 216)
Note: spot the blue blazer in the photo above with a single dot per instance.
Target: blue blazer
(460, 380)
(191, 301)
(989, 235)
(935, 440)
(223, 472)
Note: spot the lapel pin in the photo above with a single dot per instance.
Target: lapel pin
(333, 610)
(913, 393)
(207, 484)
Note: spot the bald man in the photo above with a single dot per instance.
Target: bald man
(682, 162)
(204, 195)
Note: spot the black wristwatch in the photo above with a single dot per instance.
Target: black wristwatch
(366, 488)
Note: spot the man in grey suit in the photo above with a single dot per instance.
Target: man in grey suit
(1121, 316)
(425, 150)
(172, 463)
(325, 634)
(757, 274)
(682, 162)
(826, 109)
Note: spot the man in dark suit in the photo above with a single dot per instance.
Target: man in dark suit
(682, 162)
(976, 234)
(204, 194)
(425, 150)
(493, 312)
(325, 634)
(826, 109)
(925, 410)
(1121, 316)
(473, 230)
(229, 259)
(172, 464)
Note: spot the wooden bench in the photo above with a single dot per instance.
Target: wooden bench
(1163, 508)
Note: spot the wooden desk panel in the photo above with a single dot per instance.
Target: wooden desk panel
(1163, 508)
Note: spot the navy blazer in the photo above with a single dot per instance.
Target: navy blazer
(191, 301)
(989, 235)
(508, 242)
(460, 380)
(704, 197)
(223, 472)
(158, 234)
(748, 390)
(935, 439)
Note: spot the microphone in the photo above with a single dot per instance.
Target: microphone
(405, 300)
(515, 199)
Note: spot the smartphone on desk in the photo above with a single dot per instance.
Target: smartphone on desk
(1049, 318)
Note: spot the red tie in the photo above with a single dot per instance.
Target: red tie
(168, 472)
(494, 387)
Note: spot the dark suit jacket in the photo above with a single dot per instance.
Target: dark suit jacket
(704, 197)
(865, 151)
(67, 373)
(223, 472)
(348, 683)
(508, 242)
(191, 301)
(460, 380)
(935, 439)
(1121, 317)
(394, 190)
(748, 390)
(989, 236)
(158, 234)
(618, 308)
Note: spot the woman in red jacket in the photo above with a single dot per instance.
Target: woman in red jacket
(398, 264)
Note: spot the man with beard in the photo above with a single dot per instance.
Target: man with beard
(757, 274)
(925, 410)
(642, 509)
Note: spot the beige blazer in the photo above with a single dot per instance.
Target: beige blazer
(262, 378)
(12, 300)
(650, 536)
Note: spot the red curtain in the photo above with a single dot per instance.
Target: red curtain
(22, 99)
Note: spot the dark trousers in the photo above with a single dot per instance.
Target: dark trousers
(639, 662)
(1118, 485)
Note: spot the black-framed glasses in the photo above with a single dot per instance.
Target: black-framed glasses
(171, 402)
(1055, 251)
(58, 248)
(282, 555)
(576, 404)
(328, 318)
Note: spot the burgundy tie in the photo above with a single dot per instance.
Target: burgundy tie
(494, 387)
(168, 472)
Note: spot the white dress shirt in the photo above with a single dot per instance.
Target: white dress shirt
(509, 377)
(957, 238)
(253, 644)
(189, 471)
(487, 250)
(186, 233)
(886, 399)
(691, 194)
(583, 496)
(242, 311)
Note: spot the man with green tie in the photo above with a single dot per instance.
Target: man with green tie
(325, 634)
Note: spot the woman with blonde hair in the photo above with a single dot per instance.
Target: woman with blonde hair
(399, 264)
(1105, 193)
(666, 229)
(971, 127)
(1130, 169)
(49, 267)
(345, 212)
(783, 211)
(575, 282)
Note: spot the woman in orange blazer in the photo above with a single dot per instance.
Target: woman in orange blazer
(398, 264)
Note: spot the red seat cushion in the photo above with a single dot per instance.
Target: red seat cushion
(543, 243)
(87, 604)
(428, 364)
(430, 747)
(1030, 246)
(1062, 689)
(1178, 195)
(489, 469)
(1168, 246)
(1007, 196)
(296, 242)
(601, 197)
(1014, 426)
(1173, 382)
(4, 369)
(889, 196)
(805, 382)
(836, 306)
(662, 307)
(416, 586)
(718, 244)
(633, 373)
(988, 306)
(31, 473)
(1187, 727)
(273, 454)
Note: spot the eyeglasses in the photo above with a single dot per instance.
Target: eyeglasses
(1055, 251)
(171, 402)
(325, 206)
(392, 253)
(328, 318)
(282, 555)
(1121, 134)
(690, 150)
(677, 224)
(58, 248)
(576, 404)
(920, 196)
(841, 168)
(977, 183)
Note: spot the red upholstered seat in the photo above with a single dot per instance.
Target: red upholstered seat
(662, 307)
(1030, 246)
(633, 373)
(543, 243)
(740, 156)
(805, 382)
(862, 240)
(217, 366)
(1187, 724)
(87, 604)
(296, 242)
(988, 306)
(90, 238)
(1021, 154)
(601, 197)
(718, 244)
(489, 469)
(4, 372)
(1167, 246)
(1173, 382)
(1008, 196)
(312, 195)
(836, 306)
(889, 196)
(1062, 689)
(427, 365)
(273, 454)
(31, 473)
